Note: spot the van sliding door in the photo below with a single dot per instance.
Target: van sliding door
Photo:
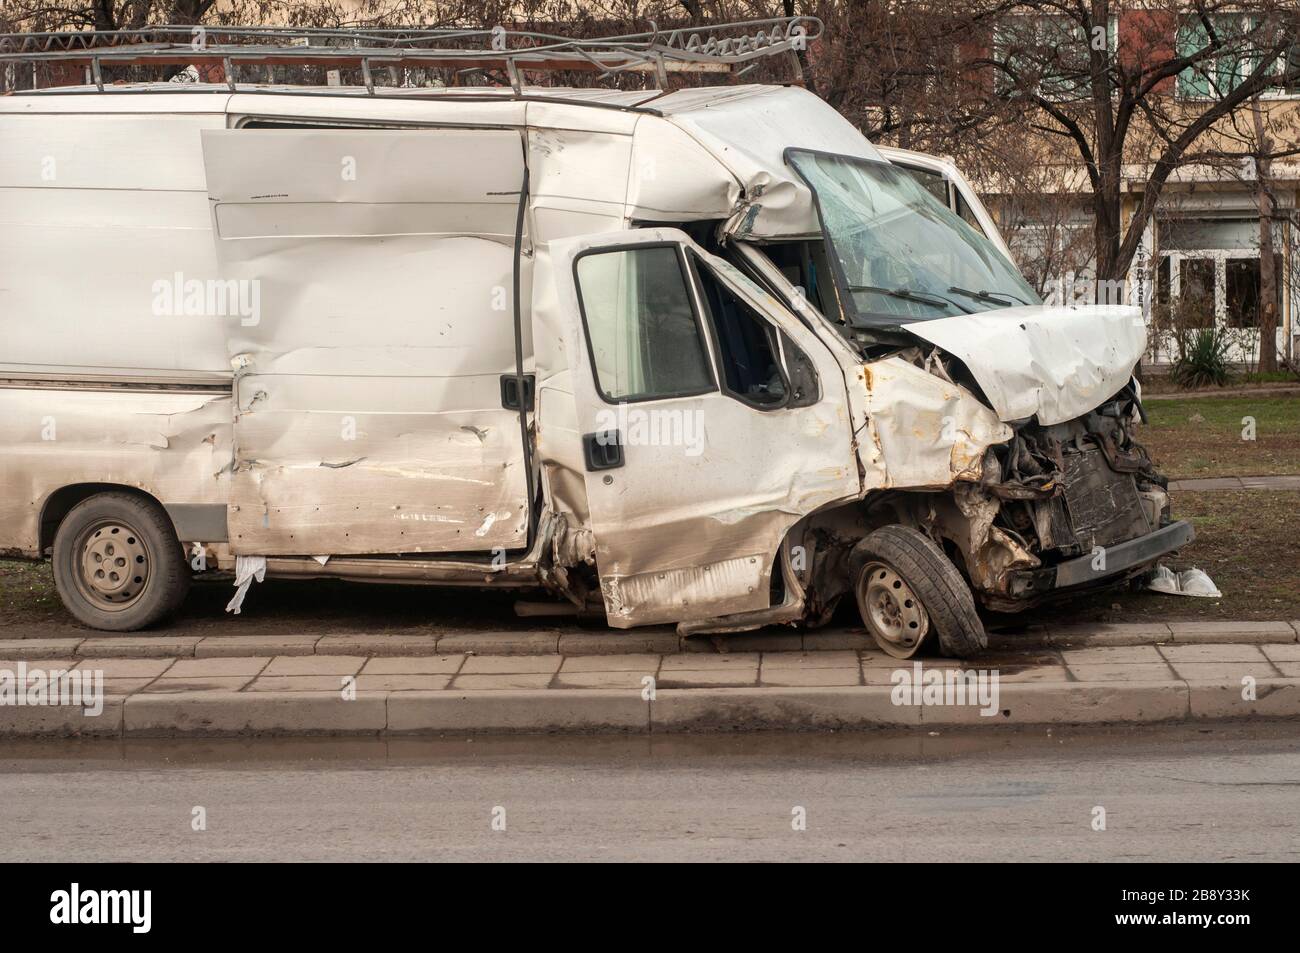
(370, 272)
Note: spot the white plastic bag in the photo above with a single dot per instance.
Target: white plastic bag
(1190, 582)
(247, 568)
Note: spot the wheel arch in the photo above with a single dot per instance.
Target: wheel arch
(61, 502)
(832, 532)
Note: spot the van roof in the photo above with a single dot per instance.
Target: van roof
(724, 146)
(652, 101)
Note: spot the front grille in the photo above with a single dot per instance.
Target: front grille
(1104, 506)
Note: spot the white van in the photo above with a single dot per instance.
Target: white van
(704, 357)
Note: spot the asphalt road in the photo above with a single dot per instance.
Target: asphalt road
(1226, 794)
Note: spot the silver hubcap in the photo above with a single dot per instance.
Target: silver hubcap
(114, 565)
(890, 608)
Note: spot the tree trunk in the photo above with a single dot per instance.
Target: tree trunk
(1106, 237)
(1267, 272)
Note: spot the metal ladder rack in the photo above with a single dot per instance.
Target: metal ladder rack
(725, 48)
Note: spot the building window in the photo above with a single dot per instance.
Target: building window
(1212, 268)
(1239, 38)
(1289, 80)
(1242, 288)
(1049, 55)
(1196, 295)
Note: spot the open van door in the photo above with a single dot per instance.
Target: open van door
(711, 421)
(374, 269)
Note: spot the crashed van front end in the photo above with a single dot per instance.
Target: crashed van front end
(1070, 499)
(1059, 508)
(1087, 502)
(999, 450)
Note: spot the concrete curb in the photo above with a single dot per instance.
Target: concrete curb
(1276, 390)
(632, 642)
(1216, 484)
(250, 713)
(220, 713)
(1171, 633)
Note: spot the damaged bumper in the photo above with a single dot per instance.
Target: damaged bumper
(1120, 559)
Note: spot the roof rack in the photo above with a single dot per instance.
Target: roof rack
(730, 48)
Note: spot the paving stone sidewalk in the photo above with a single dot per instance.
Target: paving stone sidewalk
(334, 673)
(575, 642)
(847, 689)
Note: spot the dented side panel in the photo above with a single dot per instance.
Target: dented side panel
(368, 412)
(675, 179)
(172, 445)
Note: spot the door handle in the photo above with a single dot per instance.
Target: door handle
(517, 391)
(603, 450)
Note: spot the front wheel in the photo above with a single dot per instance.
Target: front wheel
(118, 564)
(909, 593)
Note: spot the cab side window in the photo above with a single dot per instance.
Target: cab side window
(967, 213)
(645, 338)
(748, 353)
(804, 265)
(932, 182)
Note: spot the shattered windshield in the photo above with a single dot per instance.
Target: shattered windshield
(900, 255)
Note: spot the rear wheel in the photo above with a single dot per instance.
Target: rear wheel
(118, 564)
(910, 594)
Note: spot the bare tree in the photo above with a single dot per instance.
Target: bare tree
(1104, 77)
(1244, 149)
(1268, 279)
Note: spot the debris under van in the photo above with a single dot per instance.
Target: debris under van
(247, 570)
(1189, 582)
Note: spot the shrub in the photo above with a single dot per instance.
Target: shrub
(1204, 359)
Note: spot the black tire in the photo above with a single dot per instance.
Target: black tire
(106, 535)
(945, 600)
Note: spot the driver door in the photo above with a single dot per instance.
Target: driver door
(711, 422)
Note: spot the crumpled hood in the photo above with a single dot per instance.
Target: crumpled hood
(1056, 363)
